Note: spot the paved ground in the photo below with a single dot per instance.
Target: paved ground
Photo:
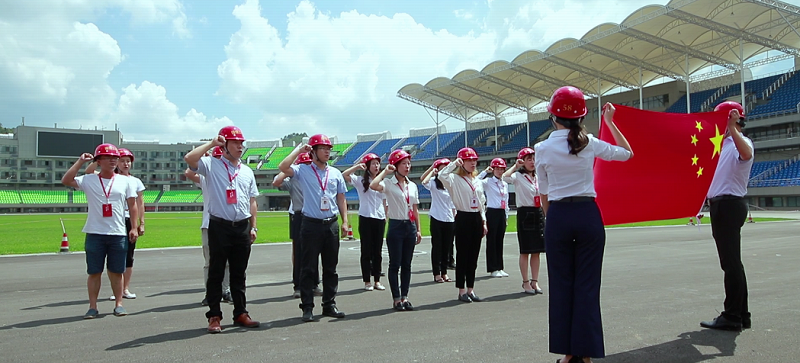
(658, 284)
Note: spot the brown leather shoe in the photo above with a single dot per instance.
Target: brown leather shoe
(245, 321)
(213, 325)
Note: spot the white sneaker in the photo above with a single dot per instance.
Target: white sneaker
(379, 286)
(112, 298)
(503, 273)
(128, 295)
(496, 274)
(368, 287)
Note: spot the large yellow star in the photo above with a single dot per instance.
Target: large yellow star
(717, 141)
(698, 126)
(699, 172)
(694, 140)
(694, 159)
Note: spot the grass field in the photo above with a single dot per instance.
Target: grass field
(41, 233)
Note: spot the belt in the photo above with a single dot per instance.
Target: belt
(321, 221)
(225, 221)
(574, 200)
(724, 197)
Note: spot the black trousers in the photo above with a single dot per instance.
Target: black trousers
(227, 244)
(319, 239)
(727, 218)
(371, 231)
(442, 235)
(295, 223)
(401, 240)
(496, 226)
(131, 245)
(469, 232)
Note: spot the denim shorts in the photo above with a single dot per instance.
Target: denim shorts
(100, 246)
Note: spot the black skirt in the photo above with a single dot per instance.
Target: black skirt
(530, 230)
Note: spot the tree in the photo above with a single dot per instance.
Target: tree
(4, 130)
(293, 139)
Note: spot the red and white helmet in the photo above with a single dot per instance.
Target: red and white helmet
(217, 151)
(303, 158)
(467, 153)
(369, 157)
(498, 163)
(125, 152)
(728, 106)
(105, 149)
(440, 162)
(232, 133)
(567, 102)
(525, 152)
(398, 155)
(319, 139)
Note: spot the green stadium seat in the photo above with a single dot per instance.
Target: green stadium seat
(43, 196)
(180, 196)
(9, 197)
(150, 196)
(277, 156)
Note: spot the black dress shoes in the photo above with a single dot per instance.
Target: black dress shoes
(474, 297)
(465, 298)
(746, 323)
(722, 323)
(308, 315)
(399, 306)
(407, 305)
(332, 311)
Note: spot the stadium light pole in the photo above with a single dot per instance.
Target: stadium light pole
(688, 89)
(741, 73)
(641, 106)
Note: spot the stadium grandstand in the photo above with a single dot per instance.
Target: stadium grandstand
(685, 56)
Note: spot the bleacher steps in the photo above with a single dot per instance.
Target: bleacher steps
(706, 105)
(778, 83)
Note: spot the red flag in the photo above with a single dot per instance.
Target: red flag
(675, 157)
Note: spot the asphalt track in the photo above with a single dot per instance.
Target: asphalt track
(658, 284)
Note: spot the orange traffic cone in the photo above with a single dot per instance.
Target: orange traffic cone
(750, 217)
(350, 233)
(64, 244)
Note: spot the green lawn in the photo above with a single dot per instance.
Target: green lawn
(41, 233)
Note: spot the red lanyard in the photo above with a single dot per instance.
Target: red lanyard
(469, 183)
(231, 177)
(529, 179)
(500, 187)
(406, 194)
(110, 185)
(323, 186)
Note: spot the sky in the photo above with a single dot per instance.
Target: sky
(177, 71)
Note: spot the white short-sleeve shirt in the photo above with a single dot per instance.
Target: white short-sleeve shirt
(139, 188)
(400, 200)
(441, 204)
(119, 188)
(370, 202)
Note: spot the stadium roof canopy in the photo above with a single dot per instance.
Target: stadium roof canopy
(674, 41)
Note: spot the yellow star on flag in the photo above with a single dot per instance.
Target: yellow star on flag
(694, 159)
(698, 126)
(717, 141)
(694, 140)
(699, 172)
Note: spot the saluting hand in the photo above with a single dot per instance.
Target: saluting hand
(520, 162)
(306, 148)
(489, 170)
(218, 141)
(733, 118)
(608, 112)
(459, 162)
(86, 157)
(362, 166)
(390, 168)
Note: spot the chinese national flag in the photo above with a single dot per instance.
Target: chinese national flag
(675, 156)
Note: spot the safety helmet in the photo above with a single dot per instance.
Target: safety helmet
(498, 163)
(319, 139)
(217, 151)
(443, 161)
(398, 155)
(303, 158)
(525, 152)
(369, 157)
(125, 152)
(231, 133)
(567, 102)
(727, 106)
(467, 153)
(105, 149)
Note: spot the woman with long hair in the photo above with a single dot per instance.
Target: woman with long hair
(467, 194)
(402, 199)
(530, 218)
(574, 235)
(442, 215)
(371, 218)
(496, 191)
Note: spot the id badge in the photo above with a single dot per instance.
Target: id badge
(502, 204)
(107, 212)
(230, 196)
(537, 201)
(325, 204)
(473, 203)
(411, 216)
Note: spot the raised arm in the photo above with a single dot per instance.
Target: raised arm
(90, 168)
(346, 174)
(513, 168)
(192, 175)
(427, 175)
(286, 164)
(745, 151)
(69, 177)
(619, 138)
(376, 183)
(193, 157)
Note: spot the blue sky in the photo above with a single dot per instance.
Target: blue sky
(174, 71)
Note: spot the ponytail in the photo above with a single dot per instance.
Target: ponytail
(365, 180)
(577, 138)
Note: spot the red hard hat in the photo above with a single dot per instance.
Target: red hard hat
(369, 157)
(525, 152)
(319, 139)
(217, 151)
(467, 153)
(398, 155)
(125, 152)
(303, 158)
(567, 102)
(443, 161)
(727, 106)
(105, 149)
(231, 133)
(498, 163)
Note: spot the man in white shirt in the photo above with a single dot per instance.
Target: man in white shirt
(106, 195)
(728, 214)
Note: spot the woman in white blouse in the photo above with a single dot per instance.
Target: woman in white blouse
(496, 191)
(467, 194)
(402, 199)
(574, 236)
(371, 219)
(530, 219)
(442, 215)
